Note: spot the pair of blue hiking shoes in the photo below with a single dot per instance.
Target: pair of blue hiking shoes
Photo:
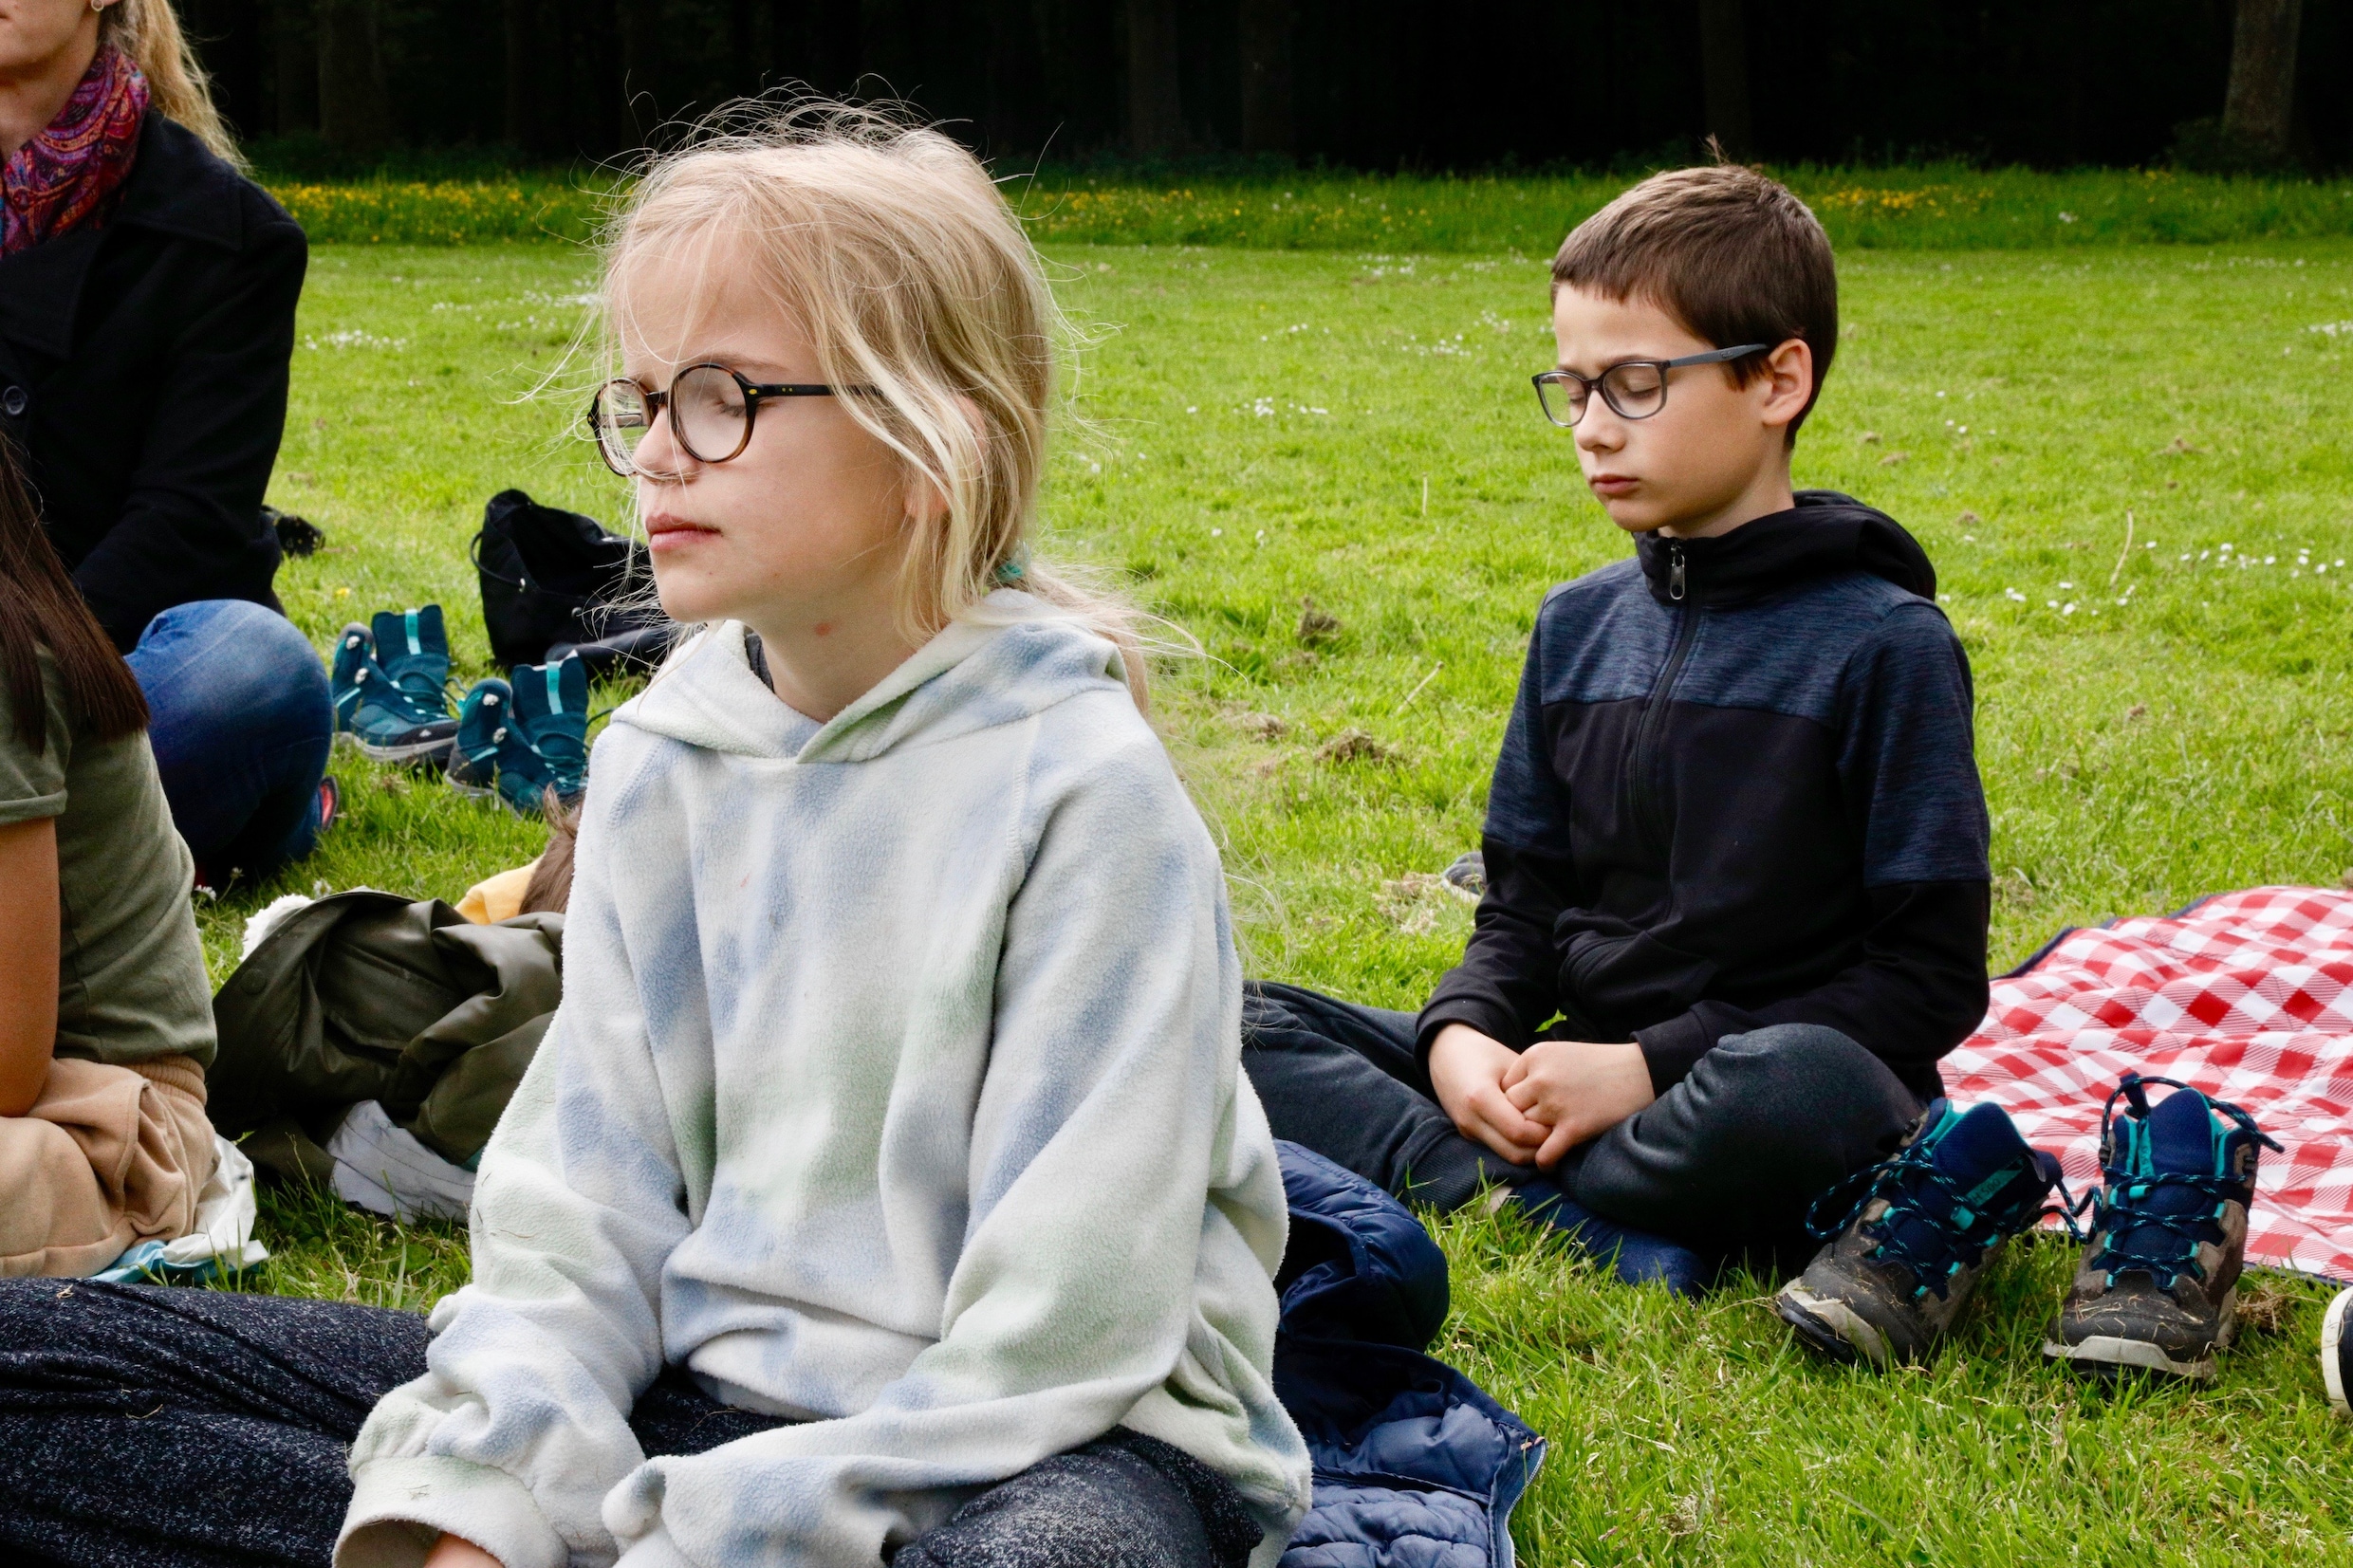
(2157, 1291)
(517, 742)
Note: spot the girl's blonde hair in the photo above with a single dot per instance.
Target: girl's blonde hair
(148, 31)
(888, 244)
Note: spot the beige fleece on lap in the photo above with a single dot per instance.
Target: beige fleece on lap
(107, 1156)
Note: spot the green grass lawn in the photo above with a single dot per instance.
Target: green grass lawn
(2156, 721)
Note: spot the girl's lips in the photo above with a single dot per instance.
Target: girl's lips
(670, 533)
(1611, 484)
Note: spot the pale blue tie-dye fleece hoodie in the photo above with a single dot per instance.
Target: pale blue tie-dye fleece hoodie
(896, 1087)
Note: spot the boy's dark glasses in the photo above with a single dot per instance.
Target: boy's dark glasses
(711, 407)
(1634, 389)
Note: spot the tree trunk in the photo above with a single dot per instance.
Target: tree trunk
(353, 110)
(1267, 124)
(1724, 75)
(2259, 105)
(233, 39)
(886, 65)
(640, 28)
(521, 124)
(1156, 116)
(747, 72)
(295, 66)
(837, 46)
(1016, 118)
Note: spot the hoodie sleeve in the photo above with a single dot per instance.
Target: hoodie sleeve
(1908, 765)
(1126, 1218)
(519, 1428)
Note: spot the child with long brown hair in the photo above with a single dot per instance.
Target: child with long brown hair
(105, 1016)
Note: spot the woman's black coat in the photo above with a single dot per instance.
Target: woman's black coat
(142, 376)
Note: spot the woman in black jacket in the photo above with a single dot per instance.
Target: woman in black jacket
(147, 293)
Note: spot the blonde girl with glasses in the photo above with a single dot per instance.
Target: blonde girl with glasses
(887, 1188)
(893, 1116)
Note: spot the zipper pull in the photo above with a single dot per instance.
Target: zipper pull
(1675, 571)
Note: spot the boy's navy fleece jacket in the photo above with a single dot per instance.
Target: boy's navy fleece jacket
(1738, 789)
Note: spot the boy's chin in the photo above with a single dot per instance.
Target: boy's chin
(1636, 518)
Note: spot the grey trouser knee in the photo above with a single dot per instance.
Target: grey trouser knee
(1733, 1155)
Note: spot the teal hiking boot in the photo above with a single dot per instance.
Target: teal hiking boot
(493, 757)
(1917, 1233)
(551, 705)
(2158, 1289)
(390, 720)
(414, 649)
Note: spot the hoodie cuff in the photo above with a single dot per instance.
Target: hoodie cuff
(1496, 1023)
(400, 1508)
(655, 1549)
(1671, 1049)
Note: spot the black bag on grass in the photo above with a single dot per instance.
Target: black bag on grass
(554, 581)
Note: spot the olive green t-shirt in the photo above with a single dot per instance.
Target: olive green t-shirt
(130, 983)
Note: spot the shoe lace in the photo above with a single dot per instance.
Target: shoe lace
(420, 698)
(2163, 1245)
(1937, 1247)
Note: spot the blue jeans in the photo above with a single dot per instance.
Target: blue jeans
(241, 722)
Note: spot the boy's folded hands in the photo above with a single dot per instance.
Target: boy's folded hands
(1578, 1089)
(1534, 1106)
(1467, 1074)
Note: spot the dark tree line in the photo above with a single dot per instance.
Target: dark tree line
(1378, 83)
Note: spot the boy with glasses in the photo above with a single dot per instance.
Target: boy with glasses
(1736, 873)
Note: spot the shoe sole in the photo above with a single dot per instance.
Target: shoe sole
(486, 792)
(2112, 1356)
(415, 752)
(1832, 1327)
(2332, 1352)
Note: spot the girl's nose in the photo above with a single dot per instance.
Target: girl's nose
(659, 457)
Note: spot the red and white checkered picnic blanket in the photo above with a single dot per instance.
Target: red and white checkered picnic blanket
(2249, 996)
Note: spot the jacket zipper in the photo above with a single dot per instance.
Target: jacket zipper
(1642, 767)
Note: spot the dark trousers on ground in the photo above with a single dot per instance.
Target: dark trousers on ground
(153, 1426)
(1724, 1163)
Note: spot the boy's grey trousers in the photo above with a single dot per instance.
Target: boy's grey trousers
(1724, 1163)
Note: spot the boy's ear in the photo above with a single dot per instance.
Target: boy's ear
(1789, 380)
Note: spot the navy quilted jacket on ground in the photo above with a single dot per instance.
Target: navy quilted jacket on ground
(1415, 1466)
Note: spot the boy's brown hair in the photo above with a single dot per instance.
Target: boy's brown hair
(1727, 251)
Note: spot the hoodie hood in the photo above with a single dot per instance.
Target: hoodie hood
(1016, 657)
(1824, 535)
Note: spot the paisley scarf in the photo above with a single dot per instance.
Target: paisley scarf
(68, 175)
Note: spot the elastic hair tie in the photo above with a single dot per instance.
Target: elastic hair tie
(1012, 568)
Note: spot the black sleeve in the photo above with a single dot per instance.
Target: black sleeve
(1506, 985)
(191, 518)
(1917, 991)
